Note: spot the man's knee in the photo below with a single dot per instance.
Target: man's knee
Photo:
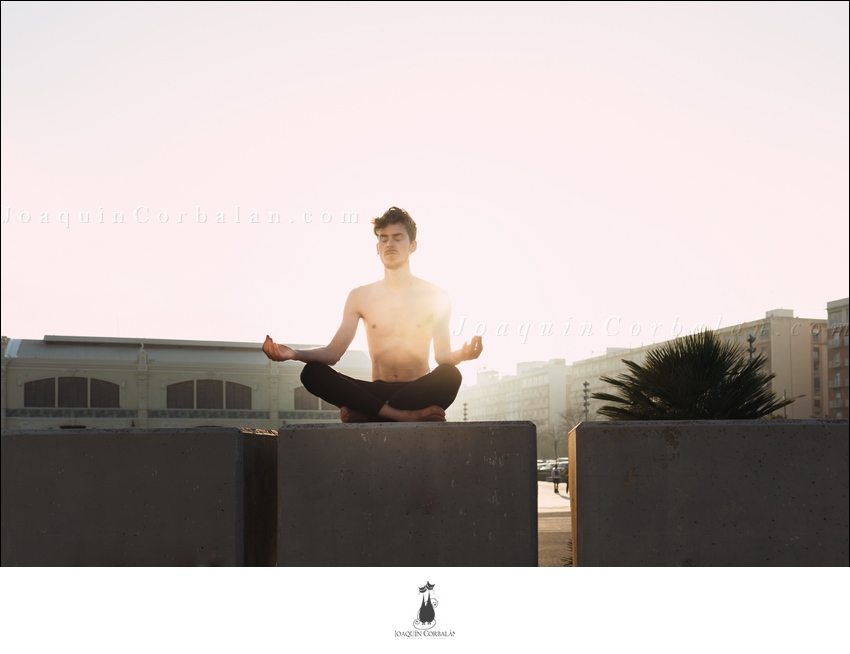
(450, 374)
(312, 372)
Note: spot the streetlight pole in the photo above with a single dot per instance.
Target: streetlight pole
(751, 339)
(586, 403)
(784, 397)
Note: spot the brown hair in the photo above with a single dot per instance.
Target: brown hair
(393, 216)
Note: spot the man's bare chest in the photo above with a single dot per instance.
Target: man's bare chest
(397, 316)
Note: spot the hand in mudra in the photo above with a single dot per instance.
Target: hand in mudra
(472, 349)
(277, 352)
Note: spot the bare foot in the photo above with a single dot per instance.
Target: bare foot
(429, 414)
(350, 415)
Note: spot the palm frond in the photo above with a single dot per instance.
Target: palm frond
(695, 377)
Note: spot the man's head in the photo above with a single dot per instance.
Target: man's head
(394, 216)
(396, 234)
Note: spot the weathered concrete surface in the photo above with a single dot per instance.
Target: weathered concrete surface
(139, 497)
(391, 494)
(710, 493)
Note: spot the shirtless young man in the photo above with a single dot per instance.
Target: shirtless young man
(402, 315)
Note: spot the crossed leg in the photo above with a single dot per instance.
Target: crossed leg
(422, 400)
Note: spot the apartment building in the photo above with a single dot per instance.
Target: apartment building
(837, 355)
(808, 357)
(537, 393)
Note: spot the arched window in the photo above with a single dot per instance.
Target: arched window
(73, 393)
(237, 396)
(181, 395)
(305, 401)
(208, 394)
(104, 394)
(40, 393)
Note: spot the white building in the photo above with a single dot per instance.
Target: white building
(65, 381)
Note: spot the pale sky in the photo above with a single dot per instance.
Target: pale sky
(566, 163)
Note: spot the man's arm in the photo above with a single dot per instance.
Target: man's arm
(332, 352)
(442, 342)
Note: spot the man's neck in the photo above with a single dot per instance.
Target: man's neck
(398, 278)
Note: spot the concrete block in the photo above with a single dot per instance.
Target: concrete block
(137, 497)
(710, 493)
(394, 494)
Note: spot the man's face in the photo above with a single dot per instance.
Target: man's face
(394, 245)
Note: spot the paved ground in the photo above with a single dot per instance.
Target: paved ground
(553, 525)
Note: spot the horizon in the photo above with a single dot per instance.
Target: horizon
(509, 369)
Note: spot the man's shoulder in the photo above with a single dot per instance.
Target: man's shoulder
(366, 288)
(425, 285)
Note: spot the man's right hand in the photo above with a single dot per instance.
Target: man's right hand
(277, 352)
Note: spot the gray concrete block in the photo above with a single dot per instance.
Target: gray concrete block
(710, 493)
(394, 494)
(139, 497)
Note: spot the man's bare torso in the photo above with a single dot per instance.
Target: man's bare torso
(399, 324)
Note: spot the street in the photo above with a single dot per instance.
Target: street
(553, 525)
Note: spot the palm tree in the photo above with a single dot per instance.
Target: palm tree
(695, 377)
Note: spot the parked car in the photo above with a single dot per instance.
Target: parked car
(544, 472)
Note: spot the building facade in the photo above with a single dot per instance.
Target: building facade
(793, 348)
(807, 356)
(838, 353)
(537, 393)
(66, 381)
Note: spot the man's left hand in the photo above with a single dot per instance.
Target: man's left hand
(472, 349)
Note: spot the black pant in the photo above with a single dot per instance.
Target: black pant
(439, 387)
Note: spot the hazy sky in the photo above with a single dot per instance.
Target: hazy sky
(566, 163)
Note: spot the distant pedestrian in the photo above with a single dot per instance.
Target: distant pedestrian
(556, 476)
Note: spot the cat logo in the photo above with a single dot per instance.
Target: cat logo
(426, 617)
